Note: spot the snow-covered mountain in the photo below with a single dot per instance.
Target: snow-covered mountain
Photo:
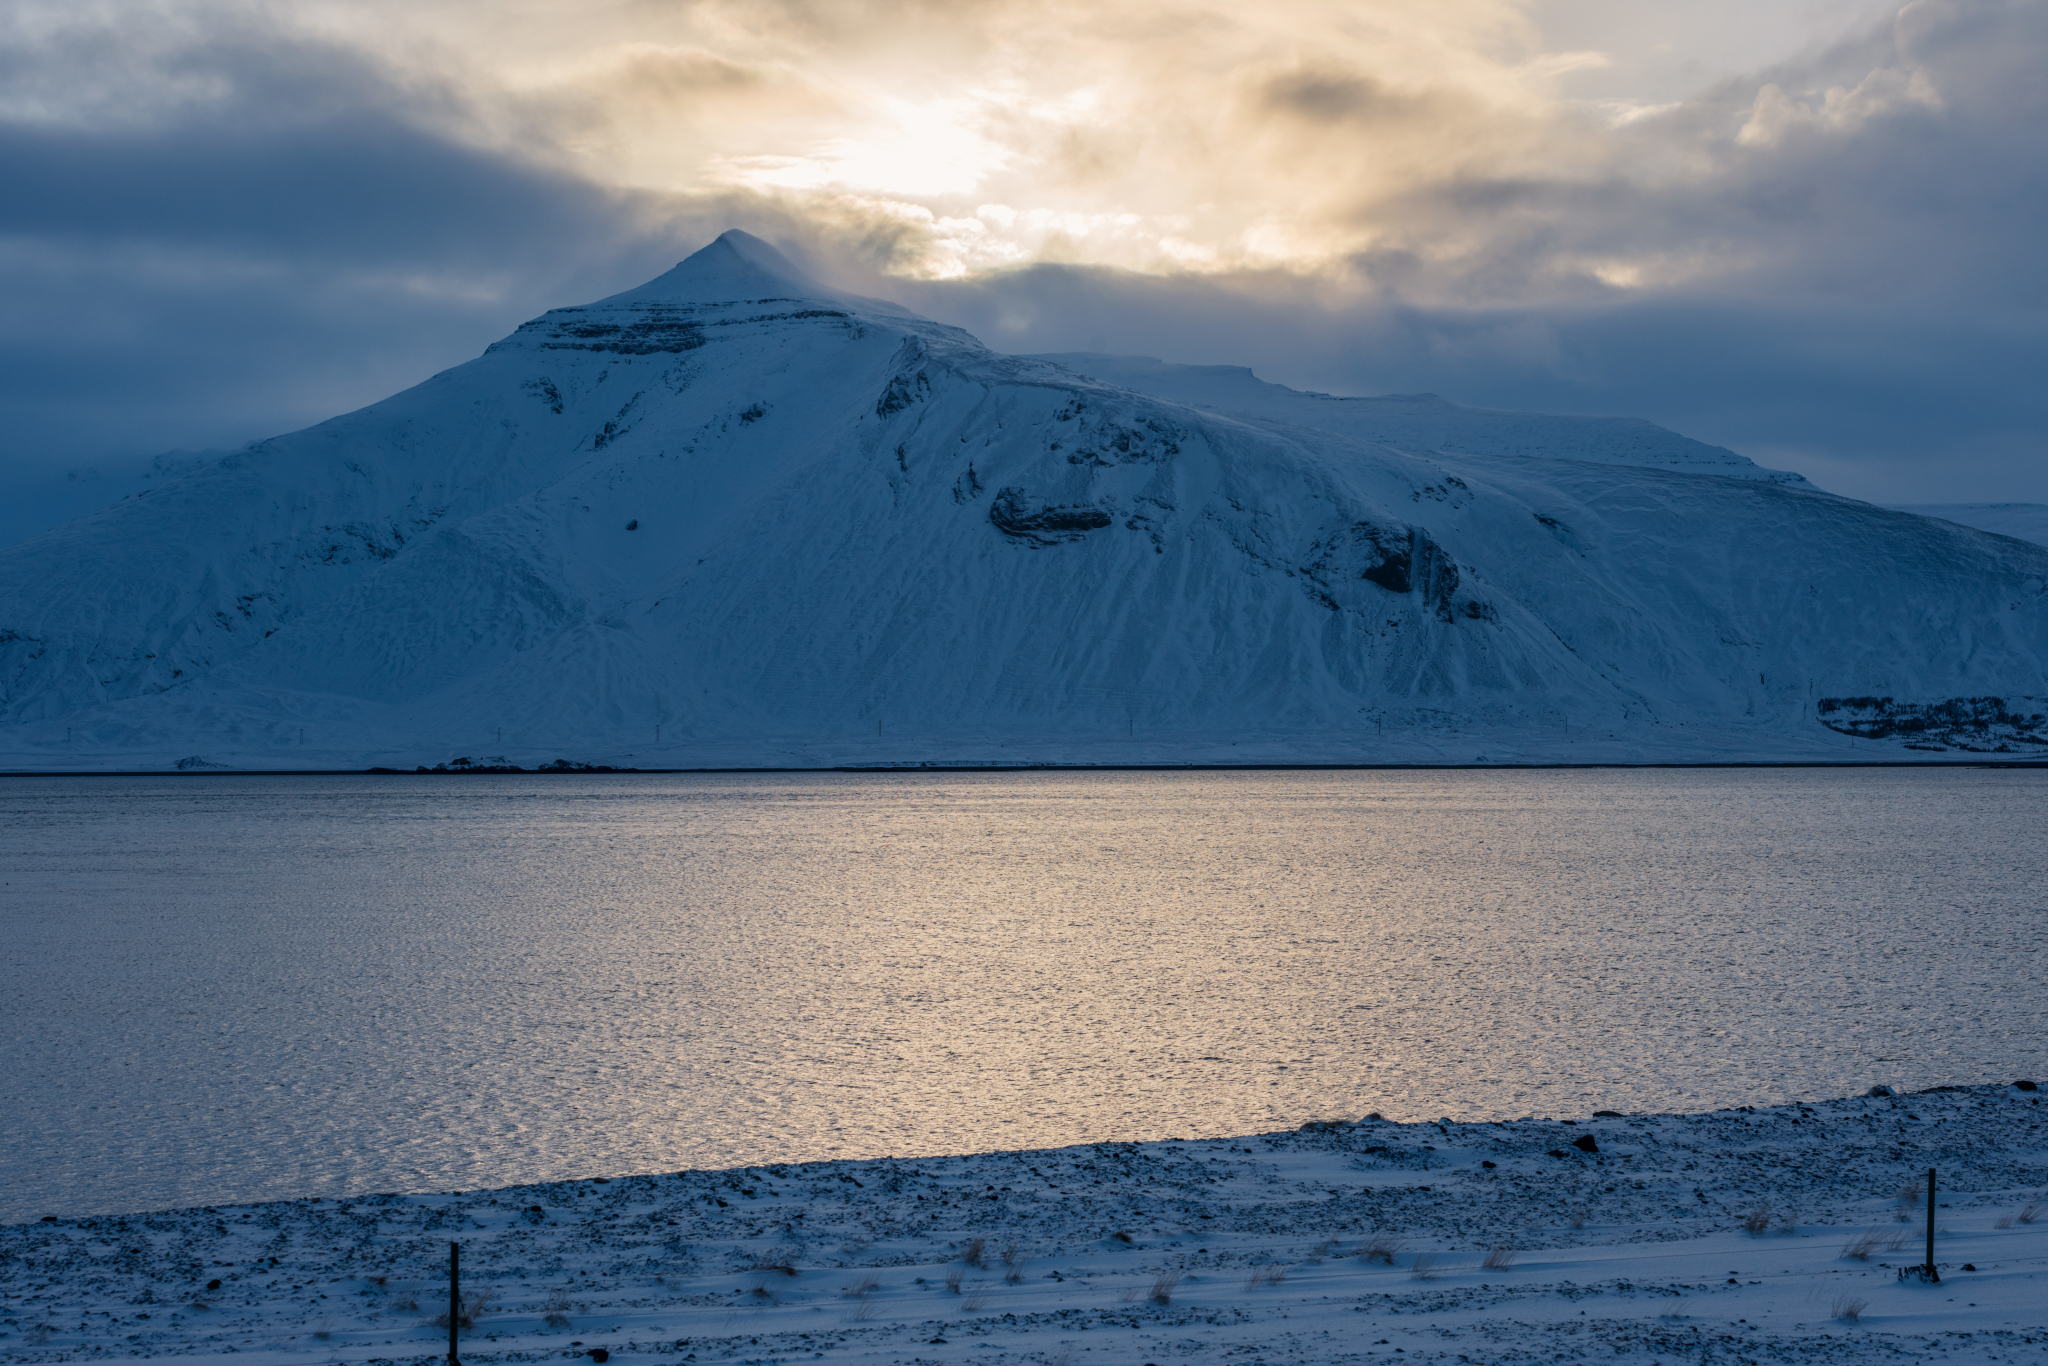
(733, 517)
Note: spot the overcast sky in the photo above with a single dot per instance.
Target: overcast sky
(1808, 229)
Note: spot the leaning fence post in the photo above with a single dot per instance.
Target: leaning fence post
(455, 1287)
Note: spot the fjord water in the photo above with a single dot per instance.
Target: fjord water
(233, 988)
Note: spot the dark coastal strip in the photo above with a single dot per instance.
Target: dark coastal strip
(590, 770)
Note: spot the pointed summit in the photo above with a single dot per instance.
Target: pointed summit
(737, 285)
(740, 267)
(737, 266)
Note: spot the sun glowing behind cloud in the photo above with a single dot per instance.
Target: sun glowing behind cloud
(1383, 142)
(1158, 135)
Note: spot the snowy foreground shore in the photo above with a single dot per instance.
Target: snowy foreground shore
(1742, 1236)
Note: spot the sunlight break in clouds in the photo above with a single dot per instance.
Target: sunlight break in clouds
(1427, 149)
(1168, 136)
(1160, 135)
(1399, 145)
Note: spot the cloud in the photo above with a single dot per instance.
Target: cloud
(225, 218)
(1327, 95)
(208, 235)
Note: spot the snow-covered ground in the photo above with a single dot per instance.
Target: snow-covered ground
(1740, 1236)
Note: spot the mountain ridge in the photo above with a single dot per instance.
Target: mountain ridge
(2021, 521)
(1423, 423)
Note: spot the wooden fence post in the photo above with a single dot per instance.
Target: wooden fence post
(455, 1291)
(1932, 1274)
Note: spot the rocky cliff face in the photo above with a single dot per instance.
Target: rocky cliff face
(734, 517)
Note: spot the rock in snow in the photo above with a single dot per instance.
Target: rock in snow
(734, 517)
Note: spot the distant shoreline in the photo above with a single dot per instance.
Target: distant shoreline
(913, 768)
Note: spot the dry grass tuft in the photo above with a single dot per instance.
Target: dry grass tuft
(1425, 1268)
(1859, 1248)
(555, 1313)
(1381, 1247)
(953, 1280)
(976, 1253)
(773, 1265)
(1848, 1308)
(862, 1292)
(1757, 1220)
(2031, 1212)
(467, 1311)
(1162, 1287)
(1013, 1262)
(1909, 1193)
(1266, 1275)
(1123, 1235)
(2003, 1221)
(1499, 1258)
(976, 1301)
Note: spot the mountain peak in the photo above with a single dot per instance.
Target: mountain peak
(737, 281)
(738, 267)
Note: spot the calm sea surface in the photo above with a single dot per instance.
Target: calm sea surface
(222, 989)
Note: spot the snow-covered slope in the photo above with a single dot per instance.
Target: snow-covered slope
(1423, 423)
(2022, 521)
(734, 517)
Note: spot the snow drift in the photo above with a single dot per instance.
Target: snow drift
(733, 517)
